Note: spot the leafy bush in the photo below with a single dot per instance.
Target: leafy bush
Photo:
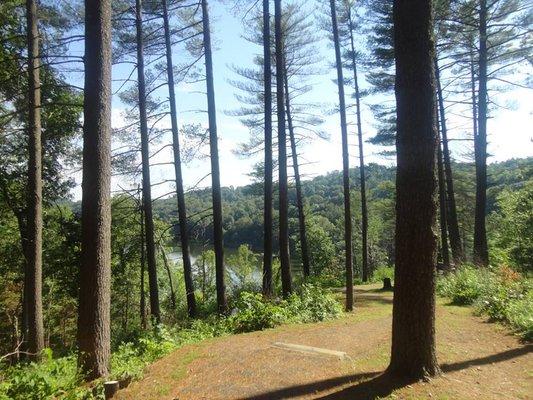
(502, 294)
(512, 222)
(382, 273)
(252, 313)
(51, 378)
(465, 286)
(520, 315)
(330, 277)
(313, 304)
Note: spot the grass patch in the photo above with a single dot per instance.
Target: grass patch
(181, 369)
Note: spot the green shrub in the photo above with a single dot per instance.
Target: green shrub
(383, 272)
(253, 313)
(327, 279)
(502, 294)
(51, 378)
(465, 286)
(520, 315)
(313, 304)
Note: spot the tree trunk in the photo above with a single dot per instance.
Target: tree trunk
(143, 264)
(180, 193)
(413, 328)
(145, 155)
(127, 308)
(345, 163)
(364, 208)
(481, 253)
(169, 274)
(267, 239)
(33, 276)
(15, 340)
(286, 279)
(95, 272)
(299, 195)
(451, 211)
(21, 223)
(204, 281)
(445, 251)
(215, 168)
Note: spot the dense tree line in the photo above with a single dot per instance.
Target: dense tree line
(243, 222)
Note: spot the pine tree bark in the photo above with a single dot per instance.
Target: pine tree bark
(443, 215)
(95, 272)
(413, 353)
(215, 167)
(286, 279)
(145, 159)
(345, 163)
(451, 211)
(299, 195)
(33, 275)
(169, 275)
(481, 252)
(180, 192)
(267, 228)
(364, 208)
(142, 304)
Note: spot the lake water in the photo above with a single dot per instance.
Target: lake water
(197, 250)
(257, 273)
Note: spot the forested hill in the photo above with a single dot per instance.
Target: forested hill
(243, 206)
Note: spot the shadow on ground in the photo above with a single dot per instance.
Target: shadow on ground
(374, 385)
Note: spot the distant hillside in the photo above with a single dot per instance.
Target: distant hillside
(243, 206)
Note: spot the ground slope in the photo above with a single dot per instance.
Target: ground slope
(480, 361)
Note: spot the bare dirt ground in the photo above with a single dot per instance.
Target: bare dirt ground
(479, 360)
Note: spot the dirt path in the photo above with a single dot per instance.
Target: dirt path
(479, 360)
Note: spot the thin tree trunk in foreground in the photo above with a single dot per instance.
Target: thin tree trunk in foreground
(143, 265)
(364, 208)
(443, 215)
(145, 155)
(345, 163)
(215, 168)
(180, 193)
(299, 195)
(94, 334)
(286, 279)
(169, 275)
(481, 252)
(413, 353)
(34, 265)
(267, 239)
(453, 224)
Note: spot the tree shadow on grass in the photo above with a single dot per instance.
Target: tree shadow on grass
(374, 385)
(368, 299)
(315, 387)
(493, 358)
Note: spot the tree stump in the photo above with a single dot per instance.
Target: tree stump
(110, 389)
(124, 383)
(387, 285)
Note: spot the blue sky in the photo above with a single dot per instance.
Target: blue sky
(510, 132)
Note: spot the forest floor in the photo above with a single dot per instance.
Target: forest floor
(479, 360)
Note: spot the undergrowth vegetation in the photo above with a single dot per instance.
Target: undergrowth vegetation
(58, 378)
(501, 293)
